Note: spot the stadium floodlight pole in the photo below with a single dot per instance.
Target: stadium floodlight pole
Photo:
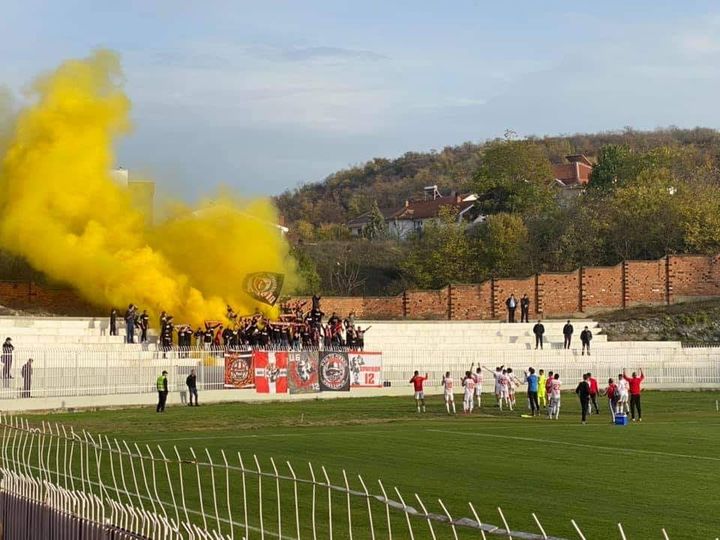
(405, 511)
(427, 517)
(367, 499)
(582, 536)
(295, 497)
(450, 520)
(482, 531)
(349, 511)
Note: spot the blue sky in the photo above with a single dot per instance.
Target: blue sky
(261, 96)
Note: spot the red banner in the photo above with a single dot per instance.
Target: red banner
(238, 370)
(270, 371)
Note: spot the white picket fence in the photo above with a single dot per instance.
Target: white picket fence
(97, 371)
(151, 492)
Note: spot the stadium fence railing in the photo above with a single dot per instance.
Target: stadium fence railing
(67, 484)
(94, 371)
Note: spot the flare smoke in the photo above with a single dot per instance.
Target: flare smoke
(61, 210)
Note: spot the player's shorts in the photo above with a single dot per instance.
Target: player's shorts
(504, 393)
(420, 395)
(478, 391)
(498, 390)
(623, 398)
(449, 396)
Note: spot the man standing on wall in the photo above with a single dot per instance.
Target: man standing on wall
(7, 358)
(539, 331)
(585, 339)
(162, 389)
(567, 334)
(511, 304)
(524, 308)
(635, 390)
(113, 322)
(130, 324)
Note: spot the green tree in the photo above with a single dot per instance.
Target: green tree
(514, 176)
(307, 278)
(375, 228)
(444, 253)
(503, 245)
(616, 164)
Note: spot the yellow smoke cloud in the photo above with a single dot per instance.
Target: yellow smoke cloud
(61, 210)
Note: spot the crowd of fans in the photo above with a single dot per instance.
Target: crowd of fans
(296, 328)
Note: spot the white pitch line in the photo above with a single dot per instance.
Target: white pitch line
(579, 445)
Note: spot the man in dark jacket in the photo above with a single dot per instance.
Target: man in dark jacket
(130, 324)
(191, 383)
(7, 358)
(26, 373)
(511, 304)
(585, 338)
(113, 322)
(583, 392)
(525, 309)
(567, 334)
(144, 325)
(539, 331)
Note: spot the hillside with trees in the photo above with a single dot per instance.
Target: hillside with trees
(651, 193)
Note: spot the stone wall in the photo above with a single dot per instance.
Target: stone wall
(676, 278)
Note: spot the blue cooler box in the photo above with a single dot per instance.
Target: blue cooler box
(621, 420)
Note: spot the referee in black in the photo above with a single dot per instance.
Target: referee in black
(583, 392)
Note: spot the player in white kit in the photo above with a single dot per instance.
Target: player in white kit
(478, 375)
(554, 411)
(447, 383)
(623, 390)
(469, 395)
(497, 375)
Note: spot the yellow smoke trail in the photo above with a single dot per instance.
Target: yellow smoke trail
(60, 209)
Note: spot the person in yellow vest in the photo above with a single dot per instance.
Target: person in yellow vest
(542, 391)
(162, 389)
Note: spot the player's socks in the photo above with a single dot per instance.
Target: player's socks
(454, 411)
(447, 406)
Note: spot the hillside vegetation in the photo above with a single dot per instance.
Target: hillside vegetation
(651, 194)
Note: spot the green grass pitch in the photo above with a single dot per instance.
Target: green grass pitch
(661, 473)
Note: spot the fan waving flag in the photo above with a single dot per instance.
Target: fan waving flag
(264, 286)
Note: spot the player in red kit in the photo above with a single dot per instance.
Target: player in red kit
(417, 382)
(594, 390)
(635, 390)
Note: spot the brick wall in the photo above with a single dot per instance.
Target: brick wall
(559, 294)
(645, 282)
(602, 288)
(60, 301)
(675, 279)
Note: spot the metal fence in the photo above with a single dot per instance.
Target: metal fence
(92, 486)
(97, 371)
